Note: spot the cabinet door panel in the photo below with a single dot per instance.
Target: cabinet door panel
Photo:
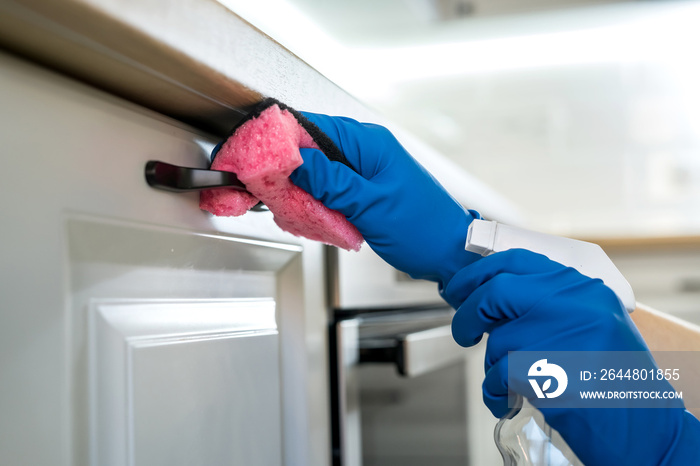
(135, 327)
(181, 341)
(131, 319)
(165, 392)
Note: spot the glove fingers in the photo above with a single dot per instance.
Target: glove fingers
(216, 150)
(363, 144)
(476, 316)
(330, 182)
(498, 396)
(500, 392)
(495, 388)
(503, 298)
(512, 261)
(484, 310)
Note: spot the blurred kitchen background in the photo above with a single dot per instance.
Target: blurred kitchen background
(585, 114)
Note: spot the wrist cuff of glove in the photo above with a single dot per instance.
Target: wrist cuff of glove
(686, 447)
(449, 286)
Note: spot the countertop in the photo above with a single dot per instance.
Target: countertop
(200, 63)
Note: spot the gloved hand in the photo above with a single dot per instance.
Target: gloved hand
(526, 302)
(403, 213)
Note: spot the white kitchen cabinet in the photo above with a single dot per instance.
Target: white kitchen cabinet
(137, 329)
(184, 382)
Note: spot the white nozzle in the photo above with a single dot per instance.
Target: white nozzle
(485, 237)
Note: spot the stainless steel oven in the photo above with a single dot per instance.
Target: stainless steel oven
(399, 389)
(403, 392)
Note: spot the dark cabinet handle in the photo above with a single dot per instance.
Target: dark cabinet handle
(161, 175)
(168, 177)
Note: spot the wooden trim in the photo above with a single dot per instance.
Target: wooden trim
(627, 244)
(663, 332)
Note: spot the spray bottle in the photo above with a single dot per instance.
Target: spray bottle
(522, 436)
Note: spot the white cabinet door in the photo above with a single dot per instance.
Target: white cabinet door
(135, 329)
(184, 382)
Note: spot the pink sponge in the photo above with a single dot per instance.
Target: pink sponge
(263, 152)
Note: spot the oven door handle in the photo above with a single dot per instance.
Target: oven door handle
(414, 353)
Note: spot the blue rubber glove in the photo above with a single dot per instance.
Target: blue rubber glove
(526, 302)
(403, 213)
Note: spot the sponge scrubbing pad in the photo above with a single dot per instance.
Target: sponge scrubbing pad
(263, 151)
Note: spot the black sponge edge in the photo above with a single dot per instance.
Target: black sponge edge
(325, 143)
